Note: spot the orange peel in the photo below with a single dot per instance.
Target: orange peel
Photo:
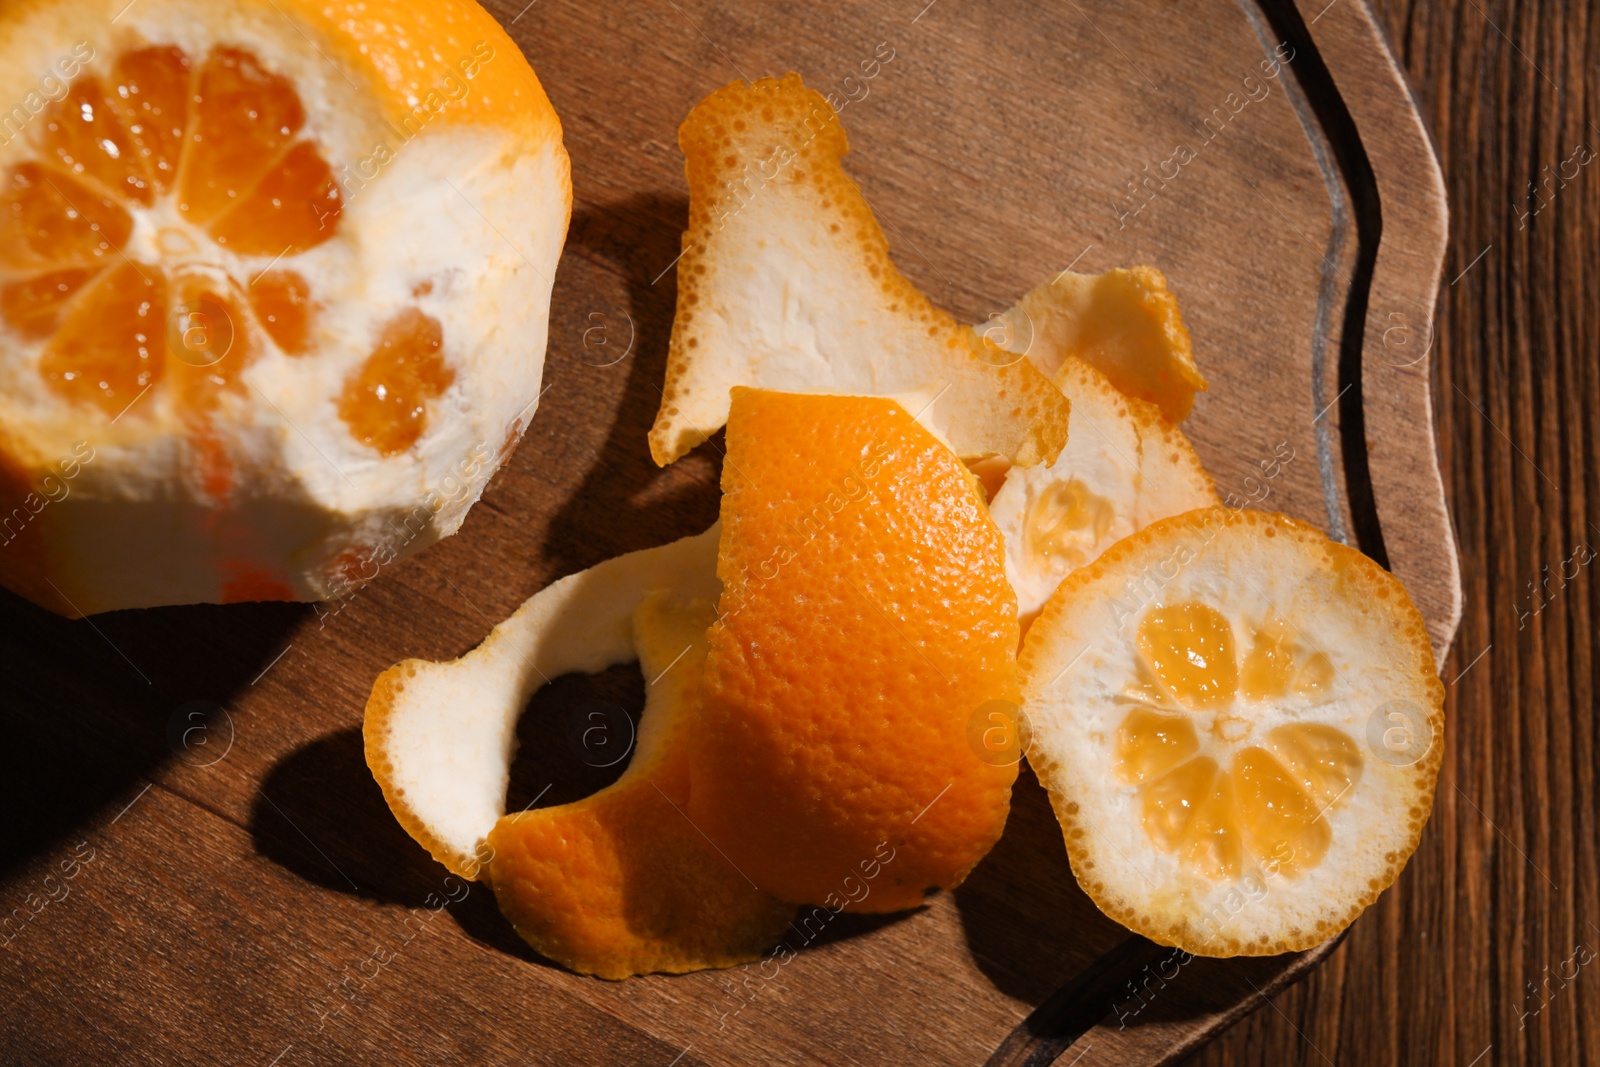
(620, 882)
(440, 736)
(865, 621)
(1124, 322)
(1124, 467)
(785, 283)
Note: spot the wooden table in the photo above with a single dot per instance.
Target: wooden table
(288, 896)
(1503, 886)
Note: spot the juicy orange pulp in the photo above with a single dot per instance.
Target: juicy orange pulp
(1268, 805)
(1066, 522)
(209, 156)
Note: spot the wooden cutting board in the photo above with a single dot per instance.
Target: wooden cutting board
(197, 865)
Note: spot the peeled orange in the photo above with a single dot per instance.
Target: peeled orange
(274, 284)
(1240, 728)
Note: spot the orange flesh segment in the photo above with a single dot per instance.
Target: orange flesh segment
(34, 305)
(83, 137)
(865, 619)
(1067, 521)
(1168, 804)
(1212, 846)
(151, 91)
(112, 346)
(49, 220)
(208, 345)
(1190, 648)
(1323, 760)
(1275, 666)
(1269, 804)
(1277, 816)
(244, 118)
(1314, 676)
(295, 208)
(1268, 667)
(386, 404)
(282, 303)
(1149, 744)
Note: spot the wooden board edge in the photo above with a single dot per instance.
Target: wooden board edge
(1086, 1010)
(1397, 350)
(1399, 266)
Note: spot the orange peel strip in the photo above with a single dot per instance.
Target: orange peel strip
(1124, 322)
(785, 283)
(865, 623)
(440, 736)
(621, 882)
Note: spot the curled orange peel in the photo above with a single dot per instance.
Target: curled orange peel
(785, 283)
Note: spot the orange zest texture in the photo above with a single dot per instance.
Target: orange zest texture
(865, 619)
(621, 882)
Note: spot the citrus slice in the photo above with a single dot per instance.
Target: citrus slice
(440, 736)
(865, 622)
(1123, 468)
(1240, 728)
(1124, 322)
(785, 283)
(282, 269)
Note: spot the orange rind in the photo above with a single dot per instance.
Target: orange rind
(1124, 322)
(440, 736)
(618, 883)
(865, 622)
(1240, 729)
(1124, 467)
(621, 882)
(785, 283)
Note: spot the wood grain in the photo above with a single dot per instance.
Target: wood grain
(1502, 888)
(249, 898)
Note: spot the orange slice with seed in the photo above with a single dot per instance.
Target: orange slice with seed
(1240, 728)
(233, 253)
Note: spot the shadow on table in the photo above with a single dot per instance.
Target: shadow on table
(1028, 925)
(322, 815)
(88, 707)
(626, 501)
